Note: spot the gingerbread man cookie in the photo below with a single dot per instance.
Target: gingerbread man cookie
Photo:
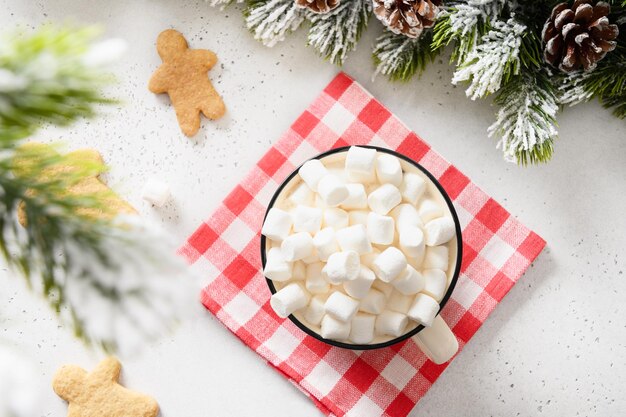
(183, 76)
(112, 204)
(97, 394)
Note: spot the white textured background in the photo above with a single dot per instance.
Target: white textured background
(557, 343)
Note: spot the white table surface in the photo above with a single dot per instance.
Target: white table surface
(557, 343)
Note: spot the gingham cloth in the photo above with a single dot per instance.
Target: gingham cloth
(497, 249)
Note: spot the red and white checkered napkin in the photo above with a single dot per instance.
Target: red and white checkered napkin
(497, 249)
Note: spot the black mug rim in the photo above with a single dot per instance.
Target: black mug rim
(457, 268)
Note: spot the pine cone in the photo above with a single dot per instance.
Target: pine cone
(579, 35)
(318, 6)
(407, 17)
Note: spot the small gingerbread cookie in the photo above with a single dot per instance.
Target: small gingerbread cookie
(97, 394)
(112, 204)
(183, 76)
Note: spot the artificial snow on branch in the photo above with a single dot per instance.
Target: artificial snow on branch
(222, 3)
(52, 75)
(608, 82)
(571, 89)
(493, 42)
(489, 9)
(399, 57)
(271, 20)
(464, 23)
(493, 61)
(526, 120)
(128, 289)
(336, 33)
(117, 282)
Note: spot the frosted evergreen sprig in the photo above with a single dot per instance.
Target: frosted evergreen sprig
(126, 289)
(526, 121)
(571, 89)
(114, 281)
(271, 20)
(336, 33)
(494, 43)
(608, 82)
(223, 3)
(464, 23)
(399, 57)
(493, 61)
(52, 75)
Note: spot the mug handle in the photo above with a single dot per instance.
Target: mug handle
(437, 341)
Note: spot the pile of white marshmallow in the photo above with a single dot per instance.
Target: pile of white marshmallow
(360, 254)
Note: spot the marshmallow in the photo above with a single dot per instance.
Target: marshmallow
(360, 164)
(297, 246)
(354, 238)
(298, 271)
(319, 202)
(405, 215)
(307, 219)
(289, 299)
(388, 169)
(412, 241)
(357, 198)
(391, 323)
(316, 282)
(416, 262)
(429, 209)
(336, 218)
(436, 283)
(359, 287)
(362, 329)
(380, 229)
(342, 266)
(424, 309)
(302, 195)
(155, 192)
(399, 302)
(312, 258)
(325, 243)
(412, 188)
(373, 302)
(384, 198)
(368, 258)
(389, 264)
(312, 172)
(341, 306)
(276, 267)
(334, 329)
(383, 287)
(332, 190)
(358, 217)
(436, 257)
(315, 311)
(439, 231)
(277, 224)
(339, 172)
(409, 282)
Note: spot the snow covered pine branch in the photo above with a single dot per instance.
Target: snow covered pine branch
(493, 42)
(271, 20)
(117, 282)
(337, 32)
(495, 59)
(526, 120)
(137, 295)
